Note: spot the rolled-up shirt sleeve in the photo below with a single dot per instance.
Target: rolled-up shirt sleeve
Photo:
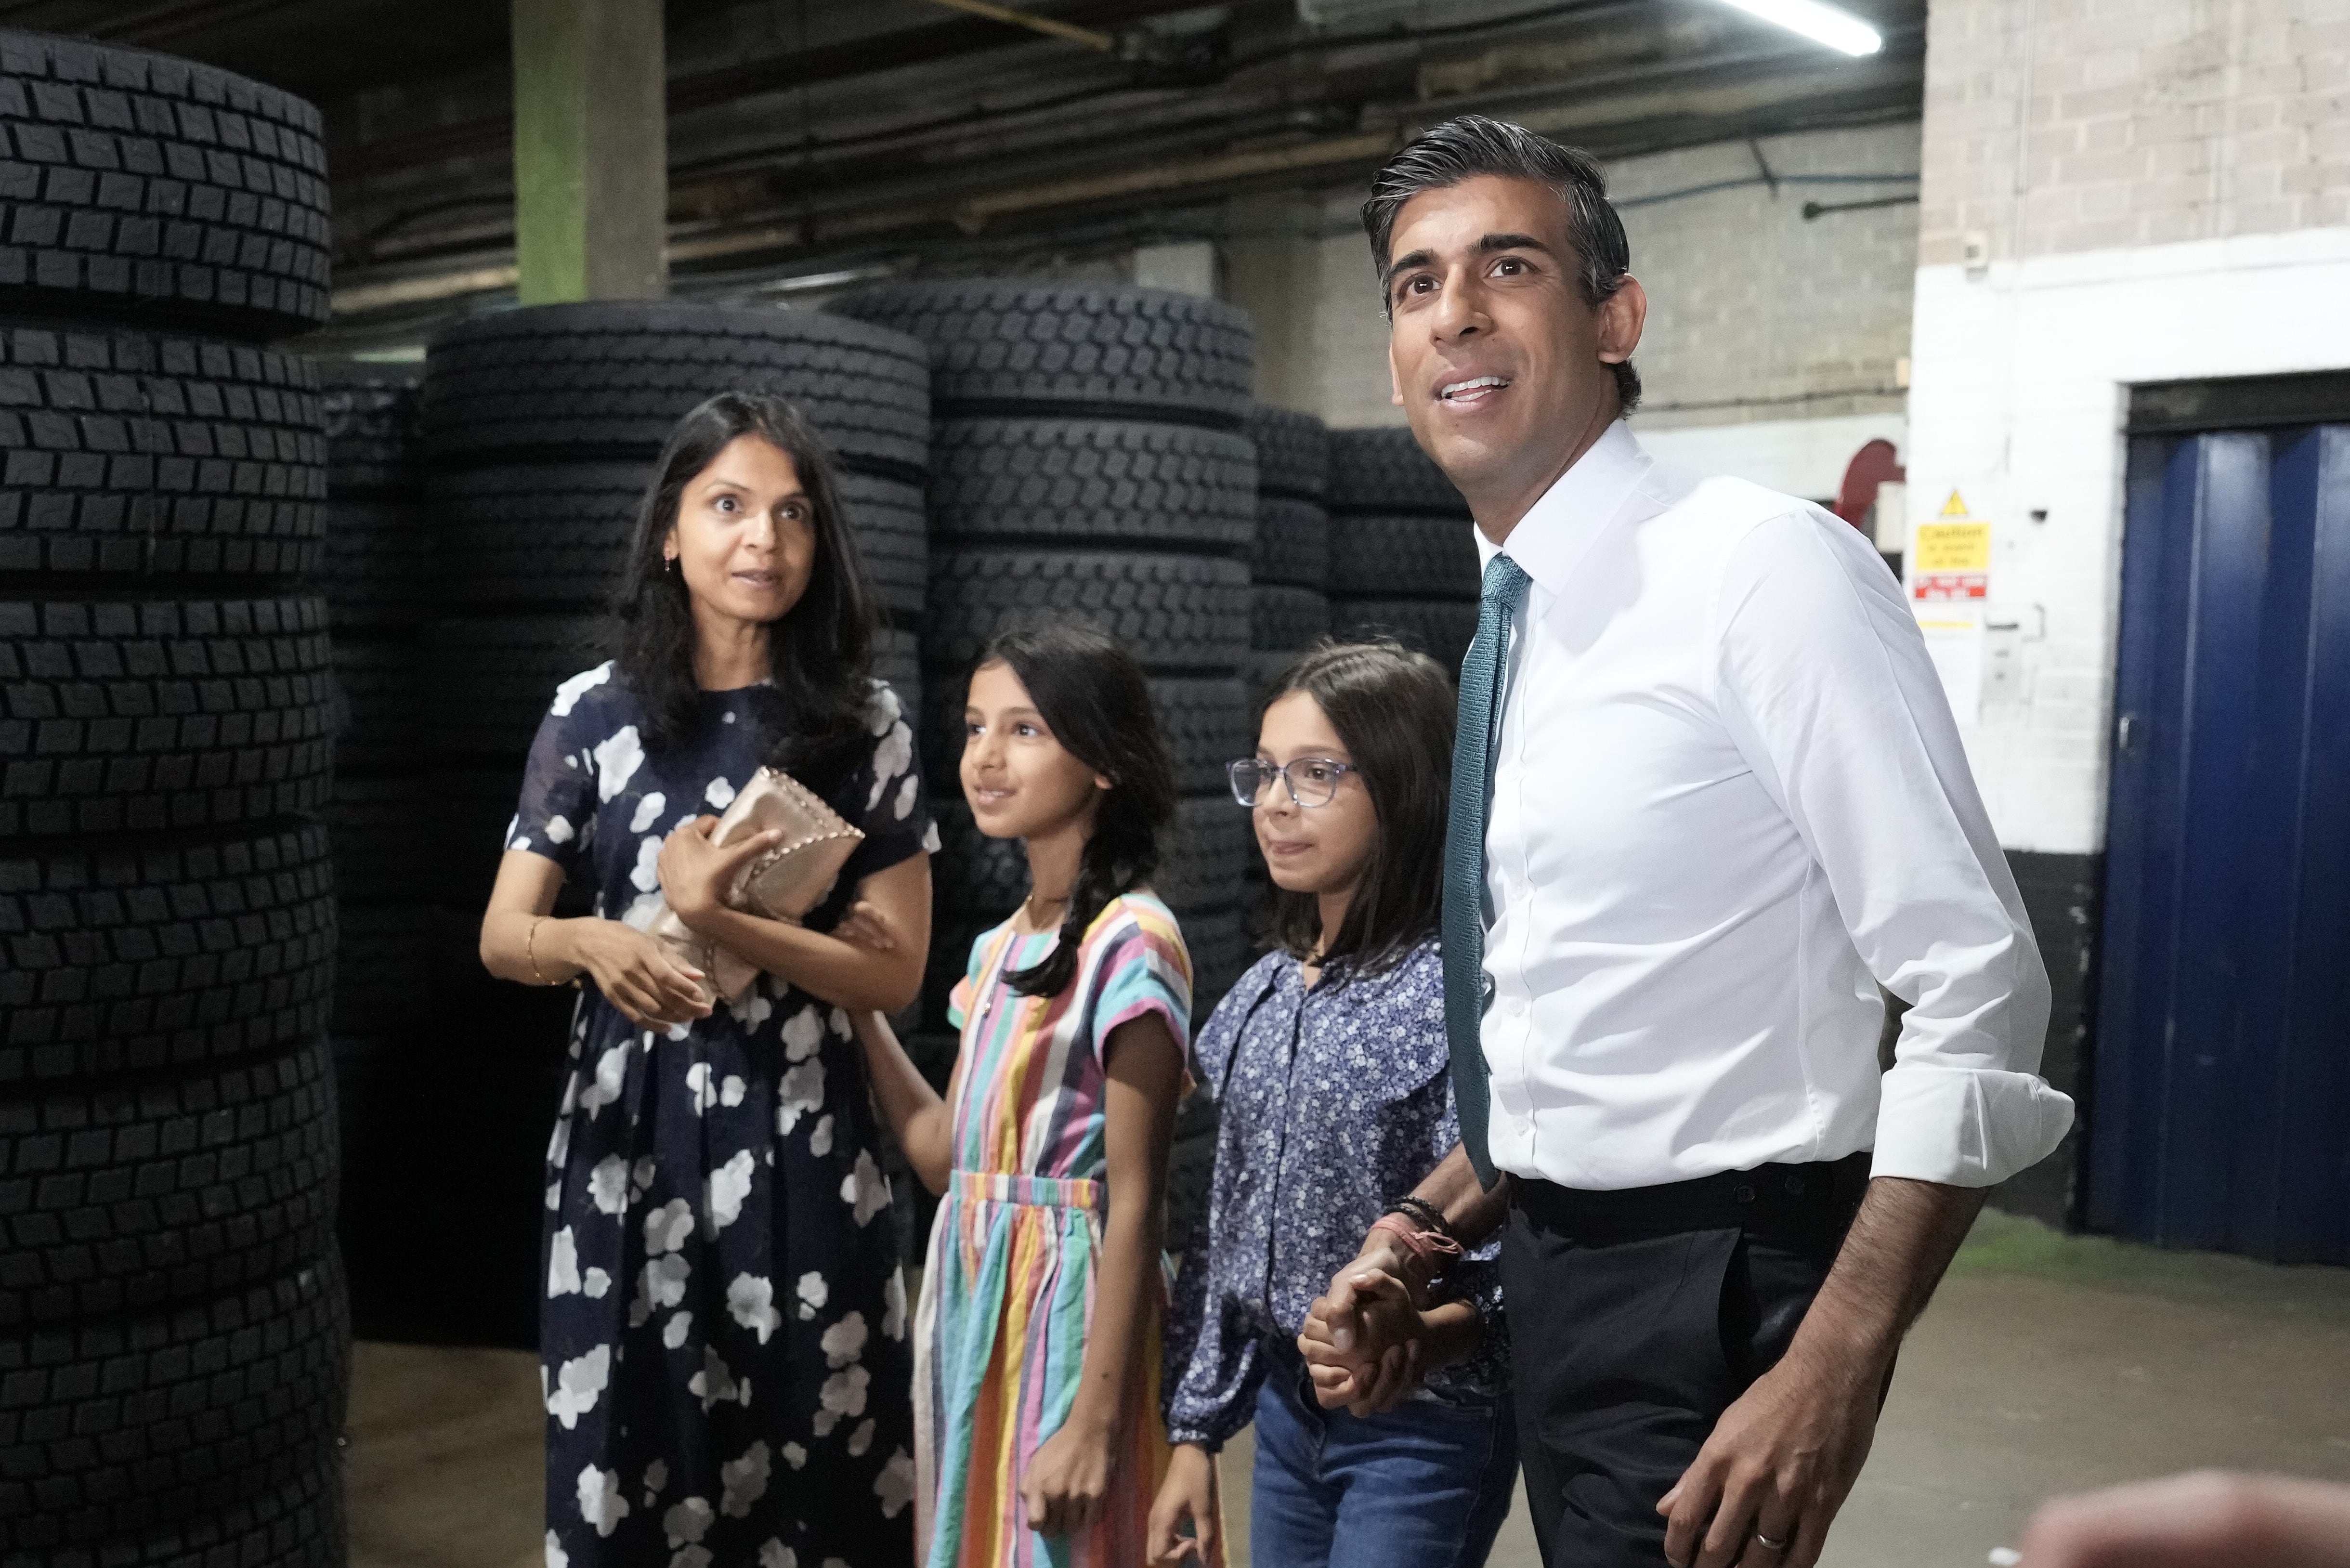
(1825, 686)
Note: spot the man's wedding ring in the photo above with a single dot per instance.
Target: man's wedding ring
(1767, 1544)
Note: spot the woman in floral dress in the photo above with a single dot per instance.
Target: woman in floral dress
(723, 1332)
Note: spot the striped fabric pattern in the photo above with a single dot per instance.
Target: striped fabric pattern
(1008, 1288)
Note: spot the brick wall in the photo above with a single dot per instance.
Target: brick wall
(2075, 125)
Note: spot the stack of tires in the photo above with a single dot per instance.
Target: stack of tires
(1402, 561)
(543, 425)
(173, 1342)
(376, 581)
(1089, 465)
(1289, 609)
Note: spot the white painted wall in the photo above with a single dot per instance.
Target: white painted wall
(2018, 390)
(1799, 457)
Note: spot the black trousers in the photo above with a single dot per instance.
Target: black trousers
(1637, 1318)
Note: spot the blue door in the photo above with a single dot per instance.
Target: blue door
(2221, 1108)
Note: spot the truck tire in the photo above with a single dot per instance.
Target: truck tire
(1389, 558)
(143, 717)
(133, 1196)
(1293, 544)
(1438, 627)
(1063, 482)
(1293, 452)
(1384, 471)
(1103, 350)
(146, 185)
(375, 434)
(146, 957)
(126, 454)
(1174, 613)
(1287, 620)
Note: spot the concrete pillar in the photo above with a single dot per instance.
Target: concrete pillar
(1187, 267)
(591, 151)
(1273, 270)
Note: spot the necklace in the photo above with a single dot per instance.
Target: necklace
(1029, 904)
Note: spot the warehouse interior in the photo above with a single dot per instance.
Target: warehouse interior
(2045, 297)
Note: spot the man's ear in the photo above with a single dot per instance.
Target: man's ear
(1395, 377)
(1621, 316)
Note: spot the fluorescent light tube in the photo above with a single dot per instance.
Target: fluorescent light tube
(1823, 24)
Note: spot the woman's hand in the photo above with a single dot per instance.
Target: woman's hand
(637, 976)
(864, 926)
(695, 873)
(1386, 1359)
(1188, 1494)
(1068, 1477)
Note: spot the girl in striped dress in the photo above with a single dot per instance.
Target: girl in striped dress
(1038, 1434)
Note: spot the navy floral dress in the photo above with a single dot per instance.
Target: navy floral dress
(1331, 1103)
(723, 1342)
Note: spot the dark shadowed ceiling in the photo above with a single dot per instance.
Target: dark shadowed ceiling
(813, 134)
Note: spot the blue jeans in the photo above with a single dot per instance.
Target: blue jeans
(1423, 1485)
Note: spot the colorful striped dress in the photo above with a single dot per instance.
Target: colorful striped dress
(1008, 1290)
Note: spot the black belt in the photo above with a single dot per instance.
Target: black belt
(1809, 1202)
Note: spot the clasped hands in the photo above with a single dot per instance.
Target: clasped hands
(1365, 1340)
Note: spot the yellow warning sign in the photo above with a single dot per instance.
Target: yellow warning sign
(1954, 506)
(1953, 547)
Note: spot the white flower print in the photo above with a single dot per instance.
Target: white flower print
(844, 1341)
(705, 1093)
(667, 1226)
(558, 1143)
(568, 695)
(820, 1140)
(756, 1005)
(798, 1092)
(558, 830)
(648, 812)
(716, 1383)
(681, 1324)
(803, 1032)
(579, 1385)
(600, 1503)
(617, 761)
(720, 795)
(612, 1073)
(730, 1184)
(640, 1176)
(553, 1196)
(647, 876)
(838, 1022)
(861, 1440)
(691, 1557)
(688, 1521)
(595, 1284)
(843, 1393)
(660, 1283)
(656, 1477)
(745, 1481)
(895, 1485)
(776, 1554)
(903, 807)
(932, 841)
(865, 1188)
(730, 1092)
(795, 1456)
(643, 909)
(882, 710)
(893, 1297)
(893, 756)
(555, 1556)
(813, 1293)
(608, 1184)
(563, 1264)
(750, 1302)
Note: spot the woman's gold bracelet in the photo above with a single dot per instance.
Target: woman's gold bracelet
(530, 949)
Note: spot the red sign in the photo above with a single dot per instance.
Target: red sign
(1950, 586)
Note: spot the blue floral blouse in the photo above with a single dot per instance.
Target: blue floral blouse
(1333, 1102)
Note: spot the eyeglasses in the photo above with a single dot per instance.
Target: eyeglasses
(1311, 781)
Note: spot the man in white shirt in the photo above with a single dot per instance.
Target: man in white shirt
(1708, 793)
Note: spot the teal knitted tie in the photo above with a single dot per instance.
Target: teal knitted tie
(1464, 854)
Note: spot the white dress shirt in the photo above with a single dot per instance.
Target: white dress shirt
(1728, 791)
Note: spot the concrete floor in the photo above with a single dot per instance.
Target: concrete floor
(2047, 1364)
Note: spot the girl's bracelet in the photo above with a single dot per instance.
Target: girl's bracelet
(1430, 1218)
(1430, 1252)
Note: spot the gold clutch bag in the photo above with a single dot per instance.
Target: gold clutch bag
(783, 884)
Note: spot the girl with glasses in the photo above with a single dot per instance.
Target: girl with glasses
(1036, 1386)
(1332, 1074)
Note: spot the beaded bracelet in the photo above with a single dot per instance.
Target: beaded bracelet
(1429, 1216)
(1429, 1250)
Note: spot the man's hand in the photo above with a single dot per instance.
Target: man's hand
(1188, 1495)
(1766, 1486)
(2204, 1520)
(1386, 1357)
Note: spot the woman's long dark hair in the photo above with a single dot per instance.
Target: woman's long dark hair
(1092, 696)
(819, 654)
(1394, 712)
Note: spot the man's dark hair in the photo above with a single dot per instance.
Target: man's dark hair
(1462, 148)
